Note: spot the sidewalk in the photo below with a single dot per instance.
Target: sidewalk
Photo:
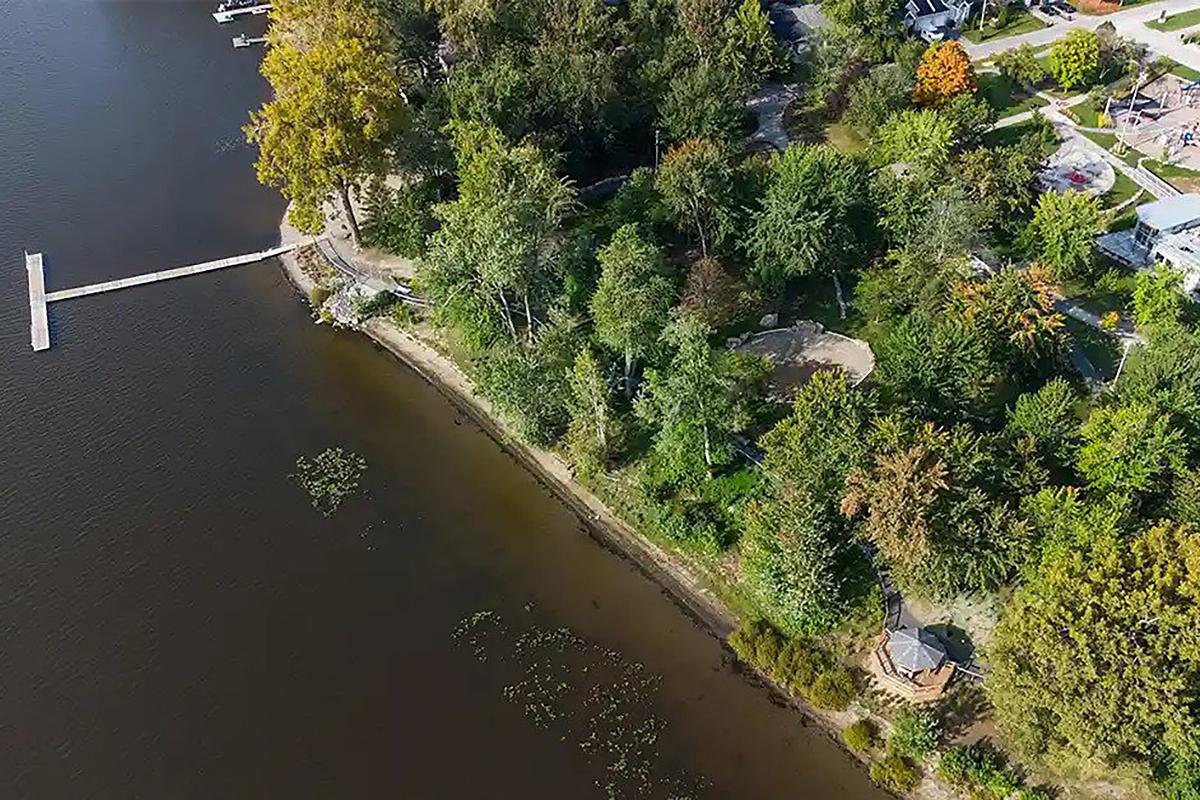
(1129, 23)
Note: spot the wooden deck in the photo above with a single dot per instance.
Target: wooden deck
(39, 328)
(925, 687)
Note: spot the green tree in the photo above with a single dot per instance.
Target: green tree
(1075, 59)
(872, 100)
(703, 101)
(336, 107)
(1165, 374)
(915, 734)
(1021, 66)
(920, 138)
(1129, 448)
(1046, 420)
(593, 427)
(697, 402)
(696, 183)
(876, 22)
(1062, 235)
(497, 240)
(750, 50)
(793, 535)
(529, 384)
(1158, 298)
(1098, 657)
(814, 218)
(633, 298)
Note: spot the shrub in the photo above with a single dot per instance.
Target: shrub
(317, 296)
(894, 773)
(859, 736)
(915, 734)
(833, 689)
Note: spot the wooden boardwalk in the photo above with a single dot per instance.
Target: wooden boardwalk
(39, 328)
(39, 297)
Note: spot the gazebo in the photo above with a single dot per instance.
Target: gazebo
(913, 651)
(912, 663)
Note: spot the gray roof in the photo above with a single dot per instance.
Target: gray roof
(1174, 213)
(915, 650)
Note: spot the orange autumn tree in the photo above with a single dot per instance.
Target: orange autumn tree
(944, 73)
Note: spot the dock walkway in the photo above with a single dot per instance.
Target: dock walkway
(39, 297)
(39, 328)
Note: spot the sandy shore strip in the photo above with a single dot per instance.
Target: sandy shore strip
(687, 588)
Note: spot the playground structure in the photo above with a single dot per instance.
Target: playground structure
(1164, 122)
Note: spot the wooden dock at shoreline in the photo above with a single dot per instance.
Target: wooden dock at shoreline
(39, 297)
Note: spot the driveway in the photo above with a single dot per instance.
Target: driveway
(1129, 23)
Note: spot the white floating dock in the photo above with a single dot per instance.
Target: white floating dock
(229, 14)
(39, 328)
(242, 40)
(39, 297)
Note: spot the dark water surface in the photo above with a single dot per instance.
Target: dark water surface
(175, 621)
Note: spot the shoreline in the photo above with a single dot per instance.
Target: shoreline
(674, 577)
(684, 586)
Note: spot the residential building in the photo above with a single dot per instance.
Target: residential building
(1167, 231)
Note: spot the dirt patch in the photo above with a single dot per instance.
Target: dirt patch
(804, 349)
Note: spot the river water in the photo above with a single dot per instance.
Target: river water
(175, 621)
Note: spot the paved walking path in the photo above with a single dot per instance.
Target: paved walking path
(1131, 23)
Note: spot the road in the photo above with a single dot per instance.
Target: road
(1129, 23)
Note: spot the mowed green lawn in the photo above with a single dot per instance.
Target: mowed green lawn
(1007, 99)
(1018, 22)
(1178, 22)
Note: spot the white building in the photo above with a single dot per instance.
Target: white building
(934, 20)
(1167, 231)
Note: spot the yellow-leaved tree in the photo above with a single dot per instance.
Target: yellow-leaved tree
(337, 105)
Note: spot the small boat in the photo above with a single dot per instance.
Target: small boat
(230, 9)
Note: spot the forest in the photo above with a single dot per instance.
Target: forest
(573, 180)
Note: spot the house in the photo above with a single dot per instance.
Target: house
(1167, 232)
(934, 20)
(794, 25)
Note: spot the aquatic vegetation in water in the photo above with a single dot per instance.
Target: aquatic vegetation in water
(329, 477)
(586, 695)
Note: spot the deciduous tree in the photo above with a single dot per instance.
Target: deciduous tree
(1021, 66)
(633, 299)
(945, 72)
(1075, 59)
(1098, 657)
(814, 218)
(1062, 235)
(696, 184)
(337, 104)
(697, 402)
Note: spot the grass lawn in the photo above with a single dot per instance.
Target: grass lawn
(1122, 190)
(1007, 99)
(1166, 171)
(1181, 71)
(1086, 114)
(1018, 22)
(1011, 134)
(1177, 22)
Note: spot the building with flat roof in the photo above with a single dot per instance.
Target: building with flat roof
(1167, 232)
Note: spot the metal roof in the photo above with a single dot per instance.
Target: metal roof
(915, 650)
(1172, 214)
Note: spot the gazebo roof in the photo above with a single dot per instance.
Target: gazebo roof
(915, 650)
